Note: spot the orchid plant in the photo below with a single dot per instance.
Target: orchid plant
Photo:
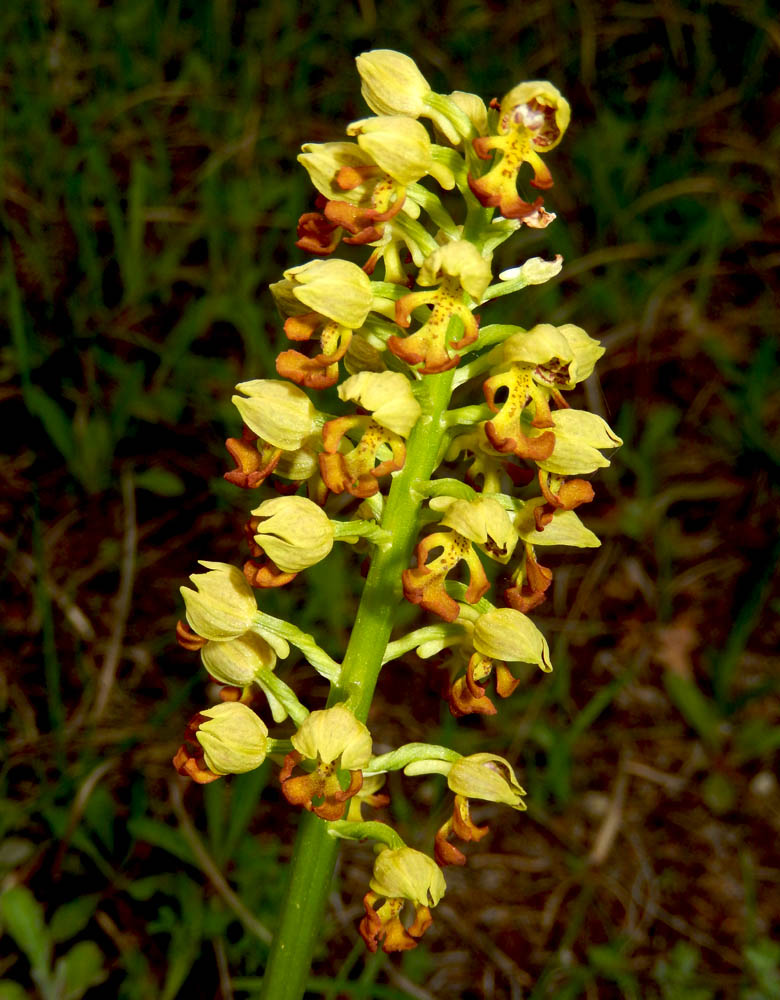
(420, 483)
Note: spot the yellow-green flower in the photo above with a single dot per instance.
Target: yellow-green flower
(223, 605)
(233, 738)
(293, 532)
(400, 875)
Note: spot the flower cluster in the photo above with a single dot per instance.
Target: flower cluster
(486, 484)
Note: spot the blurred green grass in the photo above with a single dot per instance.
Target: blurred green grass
(149, 194)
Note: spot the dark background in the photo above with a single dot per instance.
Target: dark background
(149, 195)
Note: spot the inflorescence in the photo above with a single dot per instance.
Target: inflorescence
(507, 483)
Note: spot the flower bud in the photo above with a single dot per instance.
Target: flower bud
(336, 289)
(535, 271)
(237, 661)
(386, 395)
(333, 733)
(278, 412)
(223, 605)
(458, 259)
(400, 147)
(294, 532)
(488, 777)
(404, 873)
(391, 83)
(234, 740)
(506, 634)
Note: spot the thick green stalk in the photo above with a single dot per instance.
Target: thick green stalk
(315, 851)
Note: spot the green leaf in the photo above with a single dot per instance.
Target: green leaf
(58, 425)
(160, 835)
(22, 915)
(186, 937)
(698, 711)
(245, 792)
(72, 917)
(12, 991)
(163, 482)
(15, 851)
(82, 968)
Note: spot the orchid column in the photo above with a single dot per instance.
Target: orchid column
(424, 485)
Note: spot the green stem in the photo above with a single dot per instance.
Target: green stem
(315, 852)
(325, 665)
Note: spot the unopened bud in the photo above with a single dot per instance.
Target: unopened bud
(294, 532)
(237, 661)
(223, 605)
(391, 83)
(278, 412)
(337, 289)
(234, 740)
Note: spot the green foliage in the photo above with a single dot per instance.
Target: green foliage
(74, 972)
